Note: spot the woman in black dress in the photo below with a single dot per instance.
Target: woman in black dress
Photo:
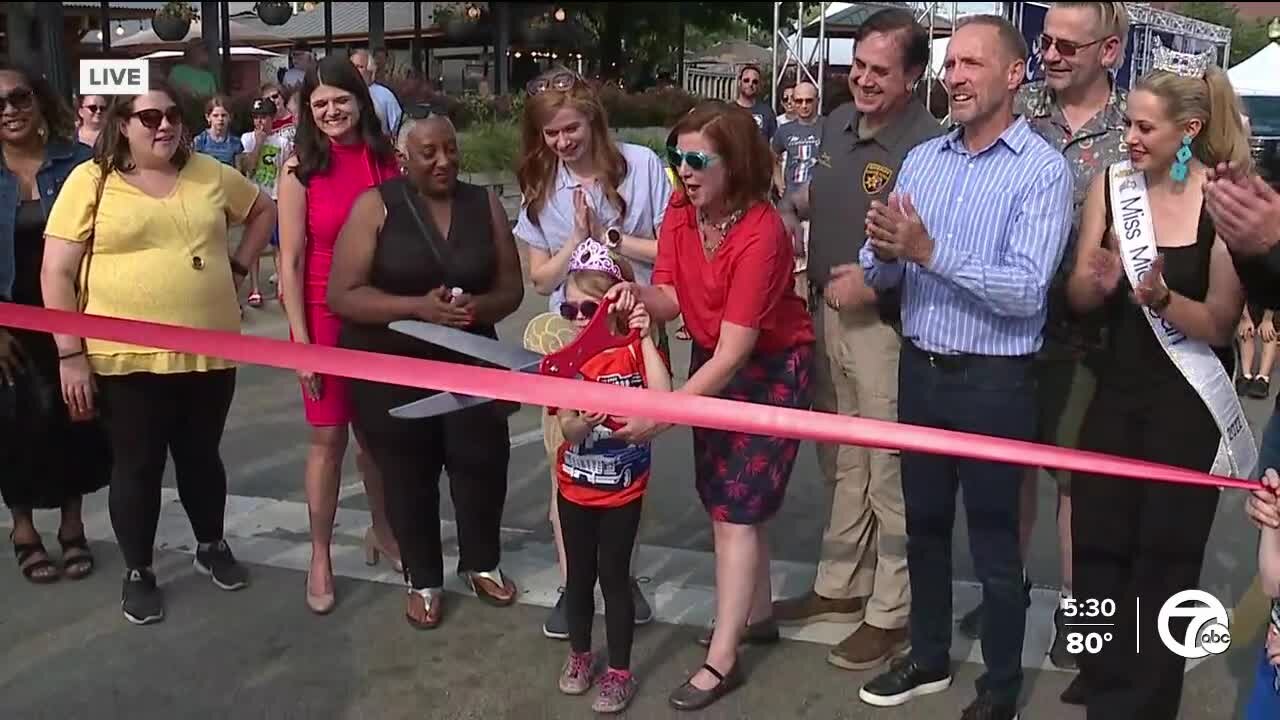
(1151, 263)
(46, 460)
(405, 249)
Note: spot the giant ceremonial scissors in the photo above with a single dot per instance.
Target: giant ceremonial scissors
(565, 362)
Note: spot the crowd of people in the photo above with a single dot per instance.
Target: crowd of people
(1065, 262)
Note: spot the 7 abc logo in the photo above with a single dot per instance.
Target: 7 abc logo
(1207, 632)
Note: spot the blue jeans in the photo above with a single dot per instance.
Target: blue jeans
(990, 396)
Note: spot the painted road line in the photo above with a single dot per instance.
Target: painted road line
(274, 533)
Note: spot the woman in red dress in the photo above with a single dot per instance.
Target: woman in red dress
(340, 152)
(725, 264)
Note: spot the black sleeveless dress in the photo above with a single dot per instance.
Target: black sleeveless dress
(45, 459)
(1137, 543)
(406, 263)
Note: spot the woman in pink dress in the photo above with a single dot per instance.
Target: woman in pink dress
(340, 152)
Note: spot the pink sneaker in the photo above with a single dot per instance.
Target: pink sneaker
(617, 687)
(576, 675)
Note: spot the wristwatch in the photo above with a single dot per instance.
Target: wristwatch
(613, 237)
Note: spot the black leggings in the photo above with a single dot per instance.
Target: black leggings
(149, 416)
(473, 447)
(597, 545)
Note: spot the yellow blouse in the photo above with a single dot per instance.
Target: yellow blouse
(145, 251)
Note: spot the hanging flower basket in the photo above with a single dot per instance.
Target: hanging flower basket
(173, 21)
(275, 13)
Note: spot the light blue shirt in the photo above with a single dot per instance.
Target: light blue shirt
(999, 219)
(386, 107)
(646, 190)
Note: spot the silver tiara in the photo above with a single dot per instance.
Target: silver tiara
(1192, 65)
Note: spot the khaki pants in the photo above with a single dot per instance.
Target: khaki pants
(864, 546)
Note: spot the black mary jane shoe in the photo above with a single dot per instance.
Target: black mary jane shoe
(687, 697)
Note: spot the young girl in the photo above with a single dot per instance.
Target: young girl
(601, 484)
(1264, 508)
(217, 140)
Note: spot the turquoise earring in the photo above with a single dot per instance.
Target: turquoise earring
(1179, 170)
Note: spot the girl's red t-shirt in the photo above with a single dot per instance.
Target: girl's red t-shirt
(602, 471)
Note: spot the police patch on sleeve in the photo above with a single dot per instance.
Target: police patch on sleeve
(875, 177)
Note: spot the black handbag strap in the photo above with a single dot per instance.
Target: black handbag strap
(428, 236)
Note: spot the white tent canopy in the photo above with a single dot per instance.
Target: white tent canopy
(1260, 74)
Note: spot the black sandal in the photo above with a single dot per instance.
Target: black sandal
(79, 565)
(29, 570)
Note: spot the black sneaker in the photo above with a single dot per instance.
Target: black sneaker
(141, 600)
(557, 625)
(219, 564)
(986, 707)
(971, 624)
(1058, 653)
(1260, 388)
(644, 613)
(903, 682)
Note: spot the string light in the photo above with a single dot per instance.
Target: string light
(560, 14)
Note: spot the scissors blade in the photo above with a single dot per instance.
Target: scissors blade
(447, 402)
(477, 346)
(435, 405)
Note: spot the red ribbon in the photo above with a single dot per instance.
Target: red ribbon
(547, 391)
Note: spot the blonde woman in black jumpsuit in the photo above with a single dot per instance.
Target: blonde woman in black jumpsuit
(391, 263)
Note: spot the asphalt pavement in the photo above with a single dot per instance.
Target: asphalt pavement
(66, 651)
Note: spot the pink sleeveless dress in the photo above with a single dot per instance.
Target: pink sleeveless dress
(330, 197)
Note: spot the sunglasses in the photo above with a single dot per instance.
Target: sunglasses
(151, 118)
(1066, 48)
(695, 159)
(95, 109)
(561, 82)
(20, 99)
(585, 310)
(422, 111)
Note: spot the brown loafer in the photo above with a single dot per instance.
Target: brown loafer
(812, 608)
(869, 647)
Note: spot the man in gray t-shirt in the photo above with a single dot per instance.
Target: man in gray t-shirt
(796, 143)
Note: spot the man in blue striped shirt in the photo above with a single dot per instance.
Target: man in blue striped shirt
(973, 235)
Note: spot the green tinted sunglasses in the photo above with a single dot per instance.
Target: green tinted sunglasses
(696, 160)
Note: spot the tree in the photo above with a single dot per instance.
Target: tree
(1247, 36)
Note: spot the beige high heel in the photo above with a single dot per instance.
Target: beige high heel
(319, 604)
(373, 551)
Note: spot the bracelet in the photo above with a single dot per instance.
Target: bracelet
(70, 355)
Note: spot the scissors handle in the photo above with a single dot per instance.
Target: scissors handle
(595, 338)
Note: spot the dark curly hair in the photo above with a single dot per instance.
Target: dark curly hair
(58, 116)
(311, 145)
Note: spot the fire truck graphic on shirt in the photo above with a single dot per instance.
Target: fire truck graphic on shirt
(601, 461)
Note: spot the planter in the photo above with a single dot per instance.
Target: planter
(460, 29)
(275, 13)
(170, 28)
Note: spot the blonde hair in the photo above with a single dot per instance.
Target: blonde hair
(1113, 19)
(1214, 103)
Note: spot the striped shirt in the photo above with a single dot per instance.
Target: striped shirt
(999, 219)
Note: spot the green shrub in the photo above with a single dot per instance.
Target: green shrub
(489, 148)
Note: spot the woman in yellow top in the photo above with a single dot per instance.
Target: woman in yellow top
(157, 251)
